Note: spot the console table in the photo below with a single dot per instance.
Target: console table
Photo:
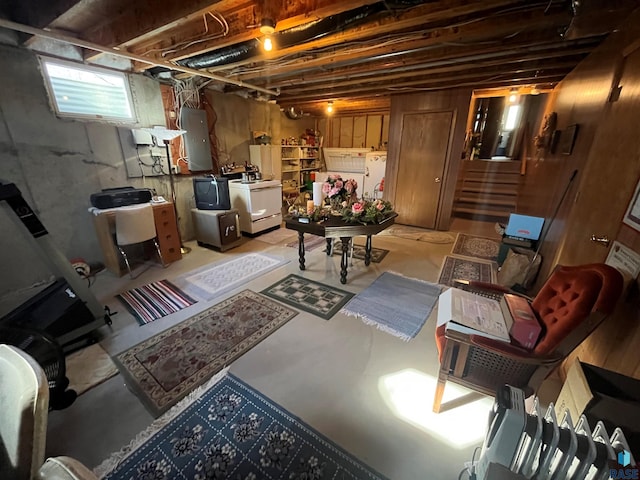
(337, 228)
(164, 217)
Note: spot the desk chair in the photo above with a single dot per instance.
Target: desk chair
(135, 225)
(570, 305)
(24, 406)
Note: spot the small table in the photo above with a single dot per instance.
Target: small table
(337, 228)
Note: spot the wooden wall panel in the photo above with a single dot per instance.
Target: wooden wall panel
(456, 100)
(607, 157)
(359, 131)
(384, 137)
(346, 132)
(335, 132)
(374, 132)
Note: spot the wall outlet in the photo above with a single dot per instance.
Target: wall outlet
(175, 169)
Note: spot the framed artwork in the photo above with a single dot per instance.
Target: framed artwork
(632, 215)
(568, 139)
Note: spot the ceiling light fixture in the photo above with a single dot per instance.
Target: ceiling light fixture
(267, 26)
(513, 96)
(267, 44)
(329, 107)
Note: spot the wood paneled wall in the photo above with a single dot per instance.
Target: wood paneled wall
(361, 131)
(607, 157)
(456, 100)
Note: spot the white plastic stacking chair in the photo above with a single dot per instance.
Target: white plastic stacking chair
(135, 224)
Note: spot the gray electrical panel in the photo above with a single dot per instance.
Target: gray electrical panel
(196, 140)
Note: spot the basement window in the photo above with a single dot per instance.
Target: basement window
(89, 93)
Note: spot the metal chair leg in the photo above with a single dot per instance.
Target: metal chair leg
(126, 261)
(155, 242)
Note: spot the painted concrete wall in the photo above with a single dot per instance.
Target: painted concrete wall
(58, 164)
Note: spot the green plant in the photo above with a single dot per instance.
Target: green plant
(367, 211)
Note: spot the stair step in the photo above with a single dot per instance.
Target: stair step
(481, 188)
(489, 200)
(483, 212)
(493, 177)
(491, 166)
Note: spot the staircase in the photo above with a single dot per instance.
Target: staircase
(487, 189)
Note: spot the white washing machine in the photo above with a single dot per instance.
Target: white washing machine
(259, 204)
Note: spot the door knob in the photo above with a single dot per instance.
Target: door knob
(603, 240)
(437, 180)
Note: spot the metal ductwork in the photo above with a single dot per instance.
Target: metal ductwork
(297, 35)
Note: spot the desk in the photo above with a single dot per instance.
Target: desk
(164, 216)
(337, 228)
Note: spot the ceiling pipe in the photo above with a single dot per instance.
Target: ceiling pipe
(294, 36)
(99, 48)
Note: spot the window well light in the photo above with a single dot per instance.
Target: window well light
(329, 107)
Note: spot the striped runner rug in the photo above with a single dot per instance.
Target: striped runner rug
(155, 300)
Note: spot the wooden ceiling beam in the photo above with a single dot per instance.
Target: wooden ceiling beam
(397, 54)
(239, 18)
(419, 67)
(40, 14)
(496, 27)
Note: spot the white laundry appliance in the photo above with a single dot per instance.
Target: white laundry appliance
(364, 166)
(259, 204)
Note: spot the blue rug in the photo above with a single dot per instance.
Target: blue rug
(395, 304)
(231, 431)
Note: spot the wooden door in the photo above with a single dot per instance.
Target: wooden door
(424, 145)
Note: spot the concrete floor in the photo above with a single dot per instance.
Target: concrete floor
(368, 391)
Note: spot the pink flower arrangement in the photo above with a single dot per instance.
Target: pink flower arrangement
(336, 187)
(367, 211)
(357, 208)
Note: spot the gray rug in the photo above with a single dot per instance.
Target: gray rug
(311, 242)
(217, 278)
(313, 297)
(278, 236)
(395, 304)
(377, 254)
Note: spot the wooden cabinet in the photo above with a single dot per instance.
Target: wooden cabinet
(166, 229)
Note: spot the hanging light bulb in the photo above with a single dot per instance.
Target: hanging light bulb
(329, 107)
(267, 44)
(513, 95)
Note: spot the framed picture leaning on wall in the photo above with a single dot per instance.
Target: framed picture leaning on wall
(632, 215)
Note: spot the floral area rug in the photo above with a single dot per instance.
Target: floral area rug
(166, 367)
(477, 247)
(395, 304)
(232, 431)
(313, 297)
(155, 300)
(217, 278)
(465, 268)
(311, 242)
(377, 254)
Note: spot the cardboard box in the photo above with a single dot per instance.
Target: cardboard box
(525, 327)
(600, 394)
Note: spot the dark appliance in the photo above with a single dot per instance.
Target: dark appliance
(120, 197)
(218, 228)
(211, 193)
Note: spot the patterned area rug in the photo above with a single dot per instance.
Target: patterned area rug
(478, 247)
(395, 304)
(232, 431)
(278, 236)
(217, 278)
(166, 367)
(463, 268)
(89, 367)
(155, 300)
(311, 242)
(313, 297)
(377, 254)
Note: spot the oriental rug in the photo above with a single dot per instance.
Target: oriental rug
(221, 277)
(229, 430)
(311, 242)
(166, 367)
(395, 304)
(464, 268)
(377, 254)
(155, 300)
(313, 297)
(477, 247)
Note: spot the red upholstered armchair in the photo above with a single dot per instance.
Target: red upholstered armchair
(570, 305)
